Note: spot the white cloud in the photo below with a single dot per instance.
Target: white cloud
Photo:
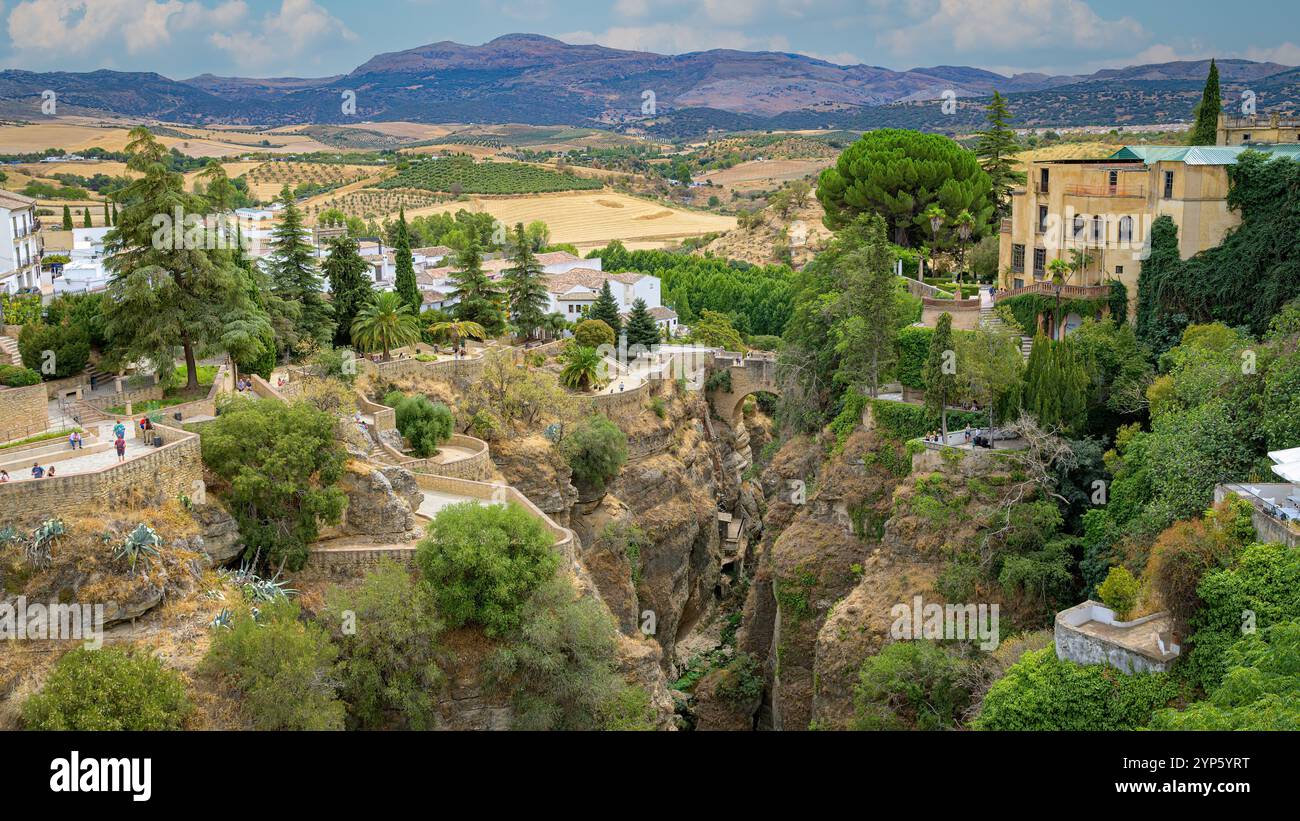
(675, 38)
(299, 26)
(81, 26)
(1287, 53)
(983, 26)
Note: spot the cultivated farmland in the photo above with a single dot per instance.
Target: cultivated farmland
(461, 174)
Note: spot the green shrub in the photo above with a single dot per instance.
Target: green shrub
(67, 344)
(561, 666)
(910, 685)
(278, 466)
(390, 654)
(1119, 592)
(592, 333)
(482, 563)
(595, 451)
(1041, 692)
(283, 667)
(424, 424)
(14, 376)
(913, 350)
(108, 689)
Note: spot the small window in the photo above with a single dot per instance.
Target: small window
(1043, 178)
(1114, 180)
(1245, 138)
(1042, 219)
(1126, 229)
(1040, 260)
(1119, 270)
(1169, 185)
(1078, 226)
(1098, 229)
(1018, 259)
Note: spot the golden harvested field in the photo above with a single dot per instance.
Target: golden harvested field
(766, 173)
(594, 218)
(77, 134)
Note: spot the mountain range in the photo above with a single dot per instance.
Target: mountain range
(525, 78)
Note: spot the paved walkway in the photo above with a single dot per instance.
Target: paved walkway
(90, 462)
(435, 501)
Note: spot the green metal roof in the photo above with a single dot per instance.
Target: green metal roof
(1201, 154)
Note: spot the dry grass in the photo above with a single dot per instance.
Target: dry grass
(593, 218)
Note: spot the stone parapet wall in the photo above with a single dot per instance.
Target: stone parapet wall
(165, 473)
(24, 412)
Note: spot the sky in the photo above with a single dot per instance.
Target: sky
(312, 38)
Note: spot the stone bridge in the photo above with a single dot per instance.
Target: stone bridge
(750, 373)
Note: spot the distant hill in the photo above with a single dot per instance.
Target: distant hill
(537, 80)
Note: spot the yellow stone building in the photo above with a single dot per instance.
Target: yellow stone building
(1099, 212)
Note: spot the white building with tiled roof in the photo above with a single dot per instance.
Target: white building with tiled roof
(20, 245)
(574, 291)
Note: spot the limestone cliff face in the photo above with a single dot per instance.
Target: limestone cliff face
(532, 464)
(823, 521)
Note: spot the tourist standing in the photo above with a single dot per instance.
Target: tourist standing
(37, 470)
(120, 445)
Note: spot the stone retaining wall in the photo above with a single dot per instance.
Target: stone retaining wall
(475, 467)
(24, 412)
(166, 472)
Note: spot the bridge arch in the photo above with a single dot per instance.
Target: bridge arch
(748, 374)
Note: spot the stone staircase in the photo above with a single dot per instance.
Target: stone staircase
(9, 351)
(988, 319)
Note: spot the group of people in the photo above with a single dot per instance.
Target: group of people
(244, 384)
(967, 435)
(38, 472)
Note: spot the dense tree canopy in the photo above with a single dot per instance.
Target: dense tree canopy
(899, 174)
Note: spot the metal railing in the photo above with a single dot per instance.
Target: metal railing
(1135, 191)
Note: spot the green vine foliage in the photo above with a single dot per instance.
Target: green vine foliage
(1245, 280)
(1027, 308)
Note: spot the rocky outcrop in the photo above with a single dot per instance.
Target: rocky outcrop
(219, 535)
(381, 502)
(536, 469)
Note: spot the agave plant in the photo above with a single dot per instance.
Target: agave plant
(140, 546)
(9, 535)
(41, 548)
(267, 590)
(222, 619)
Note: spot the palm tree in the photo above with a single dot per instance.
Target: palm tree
(1060, 270)
(965, 228)
(555, 324)
(458, 330)
(581, 367)
(385, 323)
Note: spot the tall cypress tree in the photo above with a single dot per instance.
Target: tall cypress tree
(606, 310)
(67, 218)
(641, 327)
(113, 214)
(85, 218)
(1205, 131)
(477, 299)
(294, 277)
(940, 372)
(107, 220)
(1056, 386)
(405, 285)
(349, 286)
(996, 149)
(525, 285)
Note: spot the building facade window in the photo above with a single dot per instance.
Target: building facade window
(1042, 219)
(1169, 185)
(1043, 180)
(1018, 259)
(1040, 261)
(1126, 229)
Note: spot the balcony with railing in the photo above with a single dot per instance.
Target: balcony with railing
(1106, 190)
